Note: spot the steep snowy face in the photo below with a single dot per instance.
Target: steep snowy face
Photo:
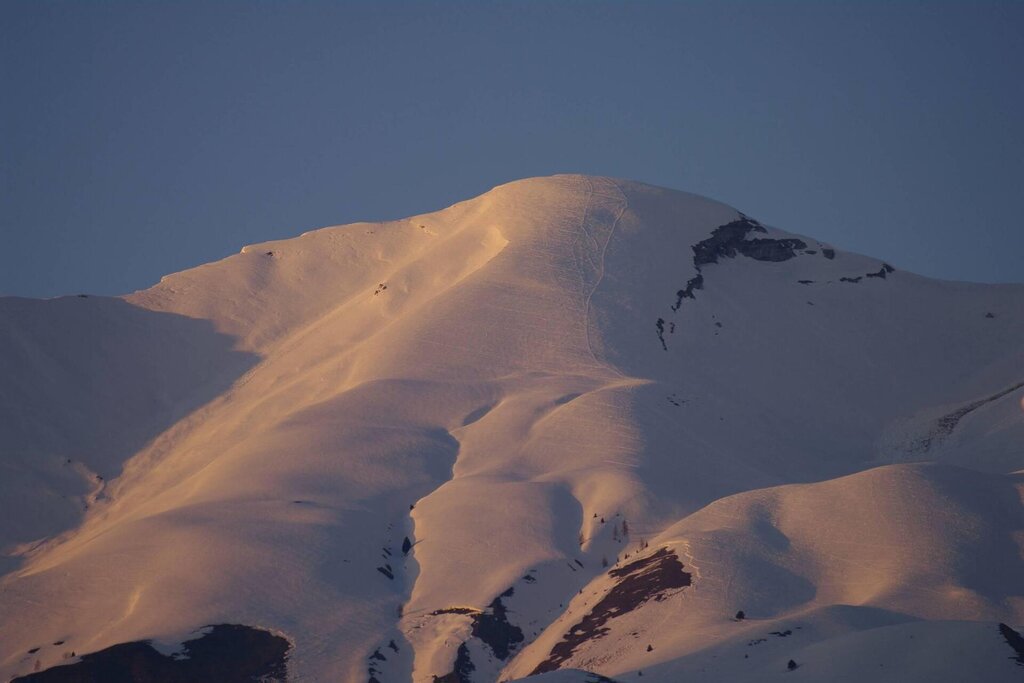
(476, 444)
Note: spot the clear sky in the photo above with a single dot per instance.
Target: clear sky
(143, 138)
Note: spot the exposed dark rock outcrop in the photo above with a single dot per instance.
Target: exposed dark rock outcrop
(882, 272)
(660, 325)
(728, 241)
(228, 653)
(692, 285)
(945, 425)
(1015, 641)
(372, 669)
(462, 671)
(454, 610)
(648, 578)
(493, 628)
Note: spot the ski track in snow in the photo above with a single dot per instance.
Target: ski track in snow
(600, 278)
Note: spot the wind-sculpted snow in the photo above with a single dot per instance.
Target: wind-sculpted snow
(429, 449)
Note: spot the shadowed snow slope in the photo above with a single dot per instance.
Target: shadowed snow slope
(574, 423)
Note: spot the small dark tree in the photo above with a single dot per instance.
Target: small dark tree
(741, 615)
(406, 546)
(649, 648)
(792, 665)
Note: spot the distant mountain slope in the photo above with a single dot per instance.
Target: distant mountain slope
(424, 449)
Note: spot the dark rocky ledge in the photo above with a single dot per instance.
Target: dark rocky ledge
(650, 578)
(880, 273)
(461, 671)
(1015, 641)
(945, 425)
(228, 653)
(730, 240)
(492, 627)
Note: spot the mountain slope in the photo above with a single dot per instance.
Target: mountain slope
(901, 543)
(505, 383)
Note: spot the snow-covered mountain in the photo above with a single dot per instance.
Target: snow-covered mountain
(567, 429)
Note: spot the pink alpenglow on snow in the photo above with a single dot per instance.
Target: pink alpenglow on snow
(566, 431)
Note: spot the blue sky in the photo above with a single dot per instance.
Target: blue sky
(143, 138)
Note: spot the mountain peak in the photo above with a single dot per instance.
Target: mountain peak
(573, 423)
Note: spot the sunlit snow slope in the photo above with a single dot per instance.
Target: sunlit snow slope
(573, 425)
